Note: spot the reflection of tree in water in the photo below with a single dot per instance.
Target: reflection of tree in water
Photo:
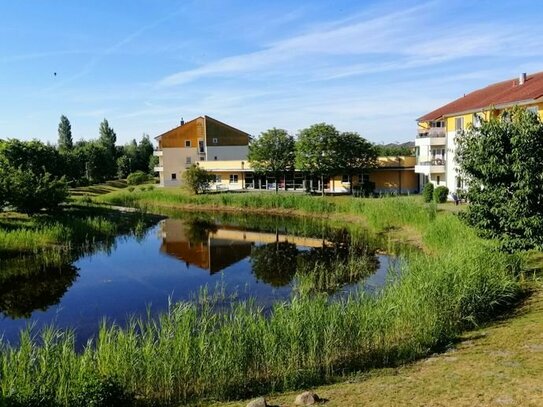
(274, 263)
(37, 287)
(198, 230)
(336, 264)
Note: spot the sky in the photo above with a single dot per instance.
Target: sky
(367, 66)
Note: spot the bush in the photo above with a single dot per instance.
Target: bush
(29, 192)
(137, 178)
(130, 189)
(428, 192)
(440, 194)
(197, 179)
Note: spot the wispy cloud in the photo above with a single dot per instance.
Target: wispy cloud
(413, 37)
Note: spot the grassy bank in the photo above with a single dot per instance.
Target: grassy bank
(192, 352)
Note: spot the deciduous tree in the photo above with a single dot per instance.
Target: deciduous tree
(272, 152)
(501, 161)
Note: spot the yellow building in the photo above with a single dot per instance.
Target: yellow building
(435, 142)
(392, 175)
(223, 150)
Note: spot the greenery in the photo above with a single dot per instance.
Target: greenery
(390, 150)
(138, 177)
(501, 161)
(428, 192)
(197, 179)
(272, 152)
(440, 194)
(323, 151)
(192, 351)
(28, 181)
(65, 140)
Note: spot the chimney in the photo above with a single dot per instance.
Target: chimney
(182, 122)
(522, 78)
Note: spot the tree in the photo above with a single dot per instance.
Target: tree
(389, 150)
(272, 152)
(94, 160)
(144, 153)
(197, 179)
(501, 162)
(108, 139)
(65, 141)
(274, 263)
(324, 151)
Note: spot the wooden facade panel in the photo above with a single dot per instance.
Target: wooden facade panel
(190, 131)
(224, 135)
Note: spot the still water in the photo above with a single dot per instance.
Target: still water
(177, 257)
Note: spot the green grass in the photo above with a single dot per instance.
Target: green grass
(193, 352)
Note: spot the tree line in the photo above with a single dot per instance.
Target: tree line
(35, 175)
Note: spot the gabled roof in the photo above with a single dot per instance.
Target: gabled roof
(205, 117)
(501, 93)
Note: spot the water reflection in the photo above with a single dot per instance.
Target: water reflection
(275, 257)
(263, 258)
(37, 288)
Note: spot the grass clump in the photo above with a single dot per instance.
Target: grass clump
(193, 352)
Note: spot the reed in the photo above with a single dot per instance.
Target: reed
(192, 352)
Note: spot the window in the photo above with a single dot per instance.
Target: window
(438, 179)
(459, 123)
(459, 183)
(345, 178)
(215, 140)
(201, 146)
(187, 143)
(218, 179)
(189, 160)
(233, 178)
(215, 158)
(174, 177)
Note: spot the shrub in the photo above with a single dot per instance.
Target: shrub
(130, 189)
(150, 187)
(440, 194)
(137, 178)
(197, 179)
(428, 192)
(29, 192)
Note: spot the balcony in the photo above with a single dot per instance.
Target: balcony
(158, 168)
(434, 166)
(158, 153)
(435, 136)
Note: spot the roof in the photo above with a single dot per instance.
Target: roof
(205, 117)
(501, 93)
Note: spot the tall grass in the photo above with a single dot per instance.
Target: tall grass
(193, 352)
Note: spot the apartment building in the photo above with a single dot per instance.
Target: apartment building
(201, 139)
(437, 130)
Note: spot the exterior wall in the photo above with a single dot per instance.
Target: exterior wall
(219, 134)
(227, 153)
(191, 131)
(174, 161)
(224, 183)
(390, 181)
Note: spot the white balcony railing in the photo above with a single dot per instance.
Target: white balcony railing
(158, 168)
(158, 153)
(431, 132)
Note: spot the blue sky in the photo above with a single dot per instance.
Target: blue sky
(366, 66)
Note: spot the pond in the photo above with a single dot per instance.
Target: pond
(265, 258)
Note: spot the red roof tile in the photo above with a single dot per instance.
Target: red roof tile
(493, 95)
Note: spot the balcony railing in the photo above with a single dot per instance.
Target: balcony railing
(158, 153)
(435, 161)
(431, 132)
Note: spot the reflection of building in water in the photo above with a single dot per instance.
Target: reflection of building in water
(218, 247)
